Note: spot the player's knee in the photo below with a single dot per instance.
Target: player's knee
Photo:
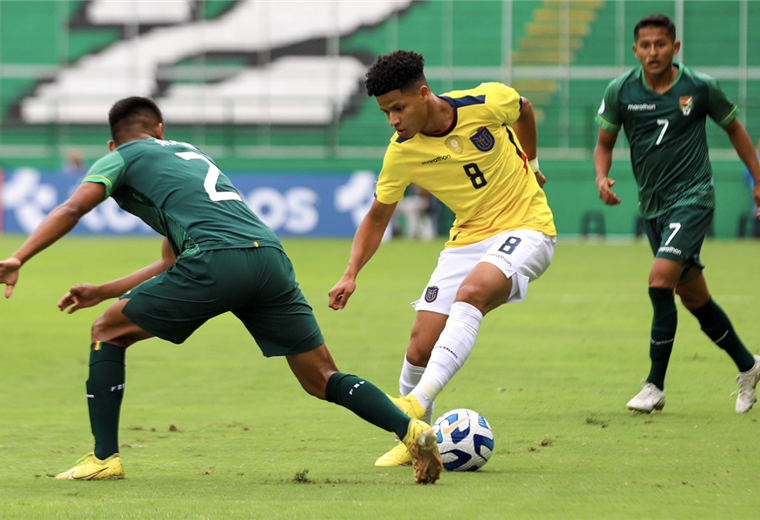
(316, 387)
(483, 298)
(100, 329)
(693, 300)
(417, 356)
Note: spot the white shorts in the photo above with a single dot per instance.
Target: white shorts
(522, 255)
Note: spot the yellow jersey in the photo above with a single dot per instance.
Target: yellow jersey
(476, 167)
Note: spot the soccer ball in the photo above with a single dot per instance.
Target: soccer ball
(465, 440)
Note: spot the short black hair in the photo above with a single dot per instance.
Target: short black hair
(398, 70)
(133, 114)
(655, 20)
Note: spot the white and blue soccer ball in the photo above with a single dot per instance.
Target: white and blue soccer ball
(465, 440)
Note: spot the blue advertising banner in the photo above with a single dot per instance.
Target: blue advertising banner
(313, 205)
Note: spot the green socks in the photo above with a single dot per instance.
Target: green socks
(105, 390)
(367, 401)
(664, 326)
(718, 328)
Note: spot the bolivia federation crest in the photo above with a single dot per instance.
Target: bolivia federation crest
(686, 103)
(483, 139)
(431, 293)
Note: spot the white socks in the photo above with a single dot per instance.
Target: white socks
(449, 354)
(410, 376)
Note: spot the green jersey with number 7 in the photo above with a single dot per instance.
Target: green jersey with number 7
(666, 133)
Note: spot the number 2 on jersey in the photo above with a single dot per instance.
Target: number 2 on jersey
(209, 183)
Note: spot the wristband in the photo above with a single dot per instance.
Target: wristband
(533, 163)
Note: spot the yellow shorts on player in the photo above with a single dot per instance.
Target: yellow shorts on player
(257, 285)
(522, 255)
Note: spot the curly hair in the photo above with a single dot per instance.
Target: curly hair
(398, 70)
(133, 114)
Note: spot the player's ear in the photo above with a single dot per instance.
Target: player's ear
(676, 47)
(424, 90)
(159, 131)
(111, 146)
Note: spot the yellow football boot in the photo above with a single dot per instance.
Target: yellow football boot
(423, 448)
(90, 467)
(409, 405)
(398, 456)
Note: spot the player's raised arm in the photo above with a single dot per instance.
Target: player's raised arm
(743, 146)
(85, 295)
(602, 163)
(57, 224)
(366, 241)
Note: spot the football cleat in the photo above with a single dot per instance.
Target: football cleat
(747, 382)
(409, 405)
(650, 398)
(90, 467)
(423, 449)
(398, 456)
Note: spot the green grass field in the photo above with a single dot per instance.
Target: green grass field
(211, 429)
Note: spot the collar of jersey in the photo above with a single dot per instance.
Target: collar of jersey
(678, 76)
(453, 119)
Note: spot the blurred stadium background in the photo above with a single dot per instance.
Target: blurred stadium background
(273, 90)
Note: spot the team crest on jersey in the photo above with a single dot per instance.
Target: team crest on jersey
(431, 293)
(686, 103)
(483, 139)
(455, 144)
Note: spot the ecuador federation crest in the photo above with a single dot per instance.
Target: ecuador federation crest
(687, 104)
(431, 293)
(483, 139)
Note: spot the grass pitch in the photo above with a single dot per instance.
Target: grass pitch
(211, 429)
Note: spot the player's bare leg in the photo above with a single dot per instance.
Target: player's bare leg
(716, 325)
(483, 290)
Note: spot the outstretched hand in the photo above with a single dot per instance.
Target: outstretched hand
(756, 197)
(541, 178)
(608, 196)
(340, 294)
(80, 297)
(9, 274)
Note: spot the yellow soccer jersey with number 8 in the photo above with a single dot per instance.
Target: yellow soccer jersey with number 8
(476, 167)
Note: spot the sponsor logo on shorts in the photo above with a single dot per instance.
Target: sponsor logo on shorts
(670, 249)
(431, 293)
(501, 257)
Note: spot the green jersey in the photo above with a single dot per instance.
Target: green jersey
(178, 191)
(666, 133)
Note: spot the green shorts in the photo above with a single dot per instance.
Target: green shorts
(678, 234)
(257, 285)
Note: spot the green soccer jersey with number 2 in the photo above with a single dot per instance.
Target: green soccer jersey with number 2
(178, 191)
(666, 133)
